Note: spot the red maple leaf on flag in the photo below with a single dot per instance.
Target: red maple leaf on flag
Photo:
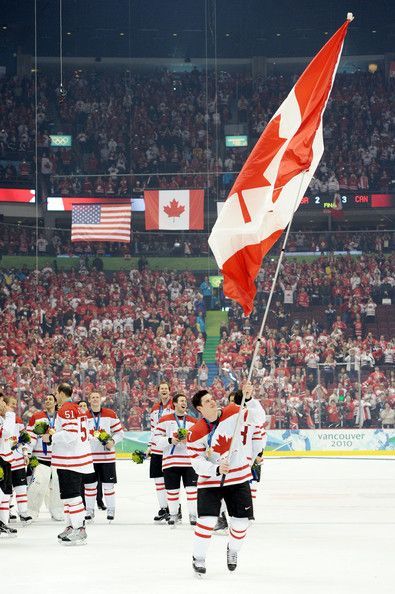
(174, 209)
(223, 444)
(252, 174)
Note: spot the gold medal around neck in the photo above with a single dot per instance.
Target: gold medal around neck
(209, 452)
(96, 434)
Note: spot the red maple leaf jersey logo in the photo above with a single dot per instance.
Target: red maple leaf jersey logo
(174, 209)
(223, 444)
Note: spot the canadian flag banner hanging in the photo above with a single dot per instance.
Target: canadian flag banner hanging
(177, 210)
(275, 176)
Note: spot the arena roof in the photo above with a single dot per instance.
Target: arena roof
(195, 28)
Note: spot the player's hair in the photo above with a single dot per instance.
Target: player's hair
(161, 384)
(66, 389)
(94, 392)
(177, 396)
(8, 398)
(197, 398)
(238, 396)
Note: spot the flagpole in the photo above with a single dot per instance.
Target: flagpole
(265, 315)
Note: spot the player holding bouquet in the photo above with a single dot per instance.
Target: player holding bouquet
(171, 437)
(105, 430)
(72, 458)
(7, 429)
(45, 483)
(20, 443)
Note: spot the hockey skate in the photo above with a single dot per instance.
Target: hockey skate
(7, 531)
(75, 537)
(90, 516)
(110, 514)
(173, 520)
(221, 526)
(199, 566)
(192, 519)
(179, 515)
(231, 559)
(26, 520)
(65, 532)
(162, 514)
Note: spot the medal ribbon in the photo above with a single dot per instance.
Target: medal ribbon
(96, 421)
(211, 428)
(179, 426)
(51, 421)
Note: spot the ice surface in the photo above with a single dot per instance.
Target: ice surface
(322, 526)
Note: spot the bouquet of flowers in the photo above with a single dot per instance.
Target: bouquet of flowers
(102, 436)
(41, 427)
(23, 439)
(1, 474)
(33, 462)
(138, 456)
(181, 434)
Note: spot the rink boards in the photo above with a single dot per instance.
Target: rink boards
(301, 442)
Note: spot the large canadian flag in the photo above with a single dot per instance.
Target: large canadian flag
(174, 209)
(275, 177)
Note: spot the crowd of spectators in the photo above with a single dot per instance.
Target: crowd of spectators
(164, 129)
(124, 332)
(310, 370)
(21, 240)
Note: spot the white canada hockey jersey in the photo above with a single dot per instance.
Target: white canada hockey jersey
(107, 421)
(71, 448)
(158, 411)
(173, 455)
(43, 454)
(256, 434)
(18, 461)
(209, 443)
(7, 429)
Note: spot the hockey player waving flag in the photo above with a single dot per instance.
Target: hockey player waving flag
(275, 176)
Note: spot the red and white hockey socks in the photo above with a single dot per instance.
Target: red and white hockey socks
(161, 492)
(90, 492)
(4, 507)
(74, 512)
(173, 498)
(203, 531)
(237, 531)
(192, 500)
(109, 495)
(67, 516)
(21, 499)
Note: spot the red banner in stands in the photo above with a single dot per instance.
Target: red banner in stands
(58, 204)
(17, 195)
(382, 200)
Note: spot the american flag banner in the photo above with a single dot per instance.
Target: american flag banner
(101, 222)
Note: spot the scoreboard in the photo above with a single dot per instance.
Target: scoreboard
(349, 201)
